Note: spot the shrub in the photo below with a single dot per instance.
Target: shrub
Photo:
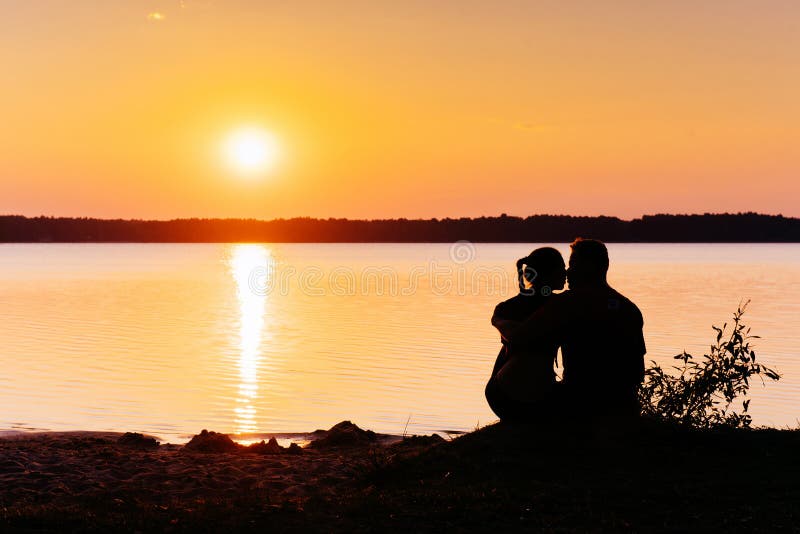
(705, 392)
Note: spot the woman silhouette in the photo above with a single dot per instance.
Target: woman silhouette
(523, 375)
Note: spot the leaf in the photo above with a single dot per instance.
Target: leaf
(772, 374)
(719, 332)
(702, 393)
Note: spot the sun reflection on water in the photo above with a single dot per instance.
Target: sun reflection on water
(245, 260)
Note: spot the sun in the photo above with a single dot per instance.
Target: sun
(251, 150)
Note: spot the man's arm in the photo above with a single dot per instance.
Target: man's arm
(638, 348)
(630, 347)
(542, 324)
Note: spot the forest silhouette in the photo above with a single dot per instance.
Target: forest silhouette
(700, 228)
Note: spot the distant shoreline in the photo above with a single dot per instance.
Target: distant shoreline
(566, 242)
(699, 228)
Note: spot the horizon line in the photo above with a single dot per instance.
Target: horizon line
(423, 219)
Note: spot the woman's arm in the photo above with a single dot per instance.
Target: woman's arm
(504, 326)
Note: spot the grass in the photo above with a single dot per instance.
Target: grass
(654, 478)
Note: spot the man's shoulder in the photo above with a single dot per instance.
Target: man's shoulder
(624, 303)
(594, 300)
(613, 293)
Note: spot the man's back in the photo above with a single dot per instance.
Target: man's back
(602, 346)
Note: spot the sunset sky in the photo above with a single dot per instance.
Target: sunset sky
(399, 109)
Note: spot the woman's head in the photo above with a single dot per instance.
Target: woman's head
(542, 267)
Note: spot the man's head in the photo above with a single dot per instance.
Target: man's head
(588, 263)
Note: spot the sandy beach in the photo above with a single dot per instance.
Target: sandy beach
(41, 472)
(348, 479)
(47, 467)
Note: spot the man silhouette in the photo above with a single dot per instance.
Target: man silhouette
(600, 335)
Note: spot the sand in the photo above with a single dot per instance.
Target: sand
(644, 477)
(52, 467)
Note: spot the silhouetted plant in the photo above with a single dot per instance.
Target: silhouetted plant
(704, 393)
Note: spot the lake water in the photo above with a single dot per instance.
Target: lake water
(260, 338)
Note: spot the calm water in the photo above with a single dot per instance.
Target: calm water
(250, 338)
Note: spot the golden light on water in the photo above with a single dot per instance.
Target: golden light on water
(248, 261)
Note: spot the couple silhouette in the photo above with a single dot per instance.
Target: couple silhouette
(598, 330)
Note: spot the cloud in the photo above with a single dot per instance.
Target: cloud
(530, 126)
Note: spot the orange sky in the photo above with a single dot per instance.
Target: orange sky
(400, 109)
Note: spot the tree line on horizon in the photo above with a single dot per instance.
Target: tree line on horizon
(662, 228)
